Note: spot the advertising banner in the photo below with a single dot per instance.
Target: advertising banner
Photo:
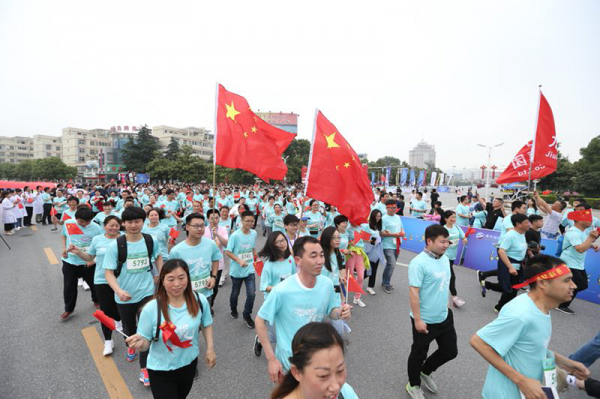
(142, 178)
(403, 177)
(412, 177)
(433, 178)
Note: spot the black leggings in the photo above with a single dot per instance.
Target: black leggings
(215, 290)
(27, 221)
(47, 218)
(373, 275)
(173, 383)
(106, 297)
(452, 279)
(129, 314)
(581, 281)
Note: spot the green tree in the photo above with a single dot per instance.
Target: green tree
(383, 162)
(24, 170)
(562, 179)
(587, 179)
(138, 153)
(160, 168)
(296, 156)
(188, 167)
(8, 171)
(52, 168)
(172, 149)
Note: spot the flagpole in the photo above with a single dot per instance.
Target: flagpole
(532, 152)
(310, 157)
(215, 146)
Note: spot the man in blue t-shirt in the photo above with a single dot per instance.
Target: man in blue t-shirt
(429, 291)
(516, 343)
(418, 206)
(298, 300)
(391, 232)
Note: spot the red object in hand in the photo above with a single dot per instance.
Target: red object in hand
(470, 231)
(53, 212)
(398, 244)
(353, 286)
(258, 266)
(73, 228)
(66, 216)
(584, 215)
(168, 333)
(104, 319)
(546, 192)
(174, 233)
(598, 230)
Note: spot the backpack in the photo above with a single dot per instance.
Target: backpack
(159, 315)
(122, 251)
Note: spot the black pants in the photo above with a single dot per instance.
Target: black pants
(592, 387)
(70, 275)
(505, 283)
(452, 279)
(490, 273)
(27, 221)
(216, 289)
(47, 219)
(106, 296)
(129, 315)
(9, 226)
(174, 383)
(581, 281)
(445, 335)
(373, 275)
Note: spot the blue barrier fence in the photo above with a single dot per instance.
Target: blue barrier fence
(481, 254)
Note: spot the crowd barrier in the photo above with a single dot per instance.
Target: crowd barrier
(480, 253)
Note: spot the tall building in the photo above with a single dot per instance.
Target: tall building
(422, 155)
(199, 138)
(46, 146)
(282, 120)
(15, 149)
(82, 147)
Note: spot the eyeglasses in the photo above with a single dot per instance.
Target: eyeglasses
(197, 226)
(281, 242)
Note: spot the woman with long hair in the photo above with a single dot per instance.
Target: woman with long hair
(279, 265)
(106, 295)
(172, 363)
(374, 248)
(456, 234)
(318, 366)
(158, 230)
(334, 261)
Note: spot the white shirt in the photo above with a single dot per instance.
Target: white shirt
(551, 223)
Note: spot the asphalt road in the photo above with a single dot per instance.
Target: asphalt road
(42, 357)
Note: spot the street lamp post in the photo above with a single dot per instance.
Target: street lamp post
(487, 179)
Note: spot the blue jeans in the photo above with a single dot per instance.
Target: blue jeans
(236, 286)
(588, 353)
(390, 264)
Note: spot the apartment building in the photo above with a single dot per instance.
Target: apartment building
(15, 149)
(81, 147)
(199, 138)
(46, 146)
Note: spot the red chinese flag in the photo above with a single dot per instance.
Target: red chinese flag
(544, 158)
(245, 141)
(353, 286)
(66, 216)
(104, 319)
(174, 233)
(258, 267)
(335, 174)
(581, 216)
(362, 235)
(470, 231)
(53, 212)
(73, 228)
(236, 196)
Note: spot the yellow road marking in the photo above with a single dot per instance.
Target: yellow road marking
(33, 228)
(113, 381)
(51, 257)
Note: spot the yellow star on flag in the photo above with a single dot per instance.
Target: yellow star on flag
(330, 140)
(245, 134)
(231, 111)
(347, 165)
(337, 167)
(254, 129)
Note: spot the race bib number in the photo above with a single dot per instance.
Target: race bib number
(453, 243)
(137, 263)
(199, 283)
(246, 257)
(279, 223)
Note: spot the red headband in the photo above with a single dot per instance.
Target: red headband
(551, 274)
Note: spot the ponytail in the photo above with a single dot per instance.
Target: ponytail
(286, 387)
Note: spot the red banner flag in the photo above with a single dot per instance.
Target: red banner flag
(362, 235)
(353, 286)
(73, 228)
(545, 154)
(470, 231)
(258, 267)
(335, 174)
(104, 319)
(174, 233)
(245, 141)
(584, 215)
(53, 212)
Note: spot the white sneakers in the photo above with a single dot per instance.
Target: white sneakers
(414, 392)
(108, 347)
(457, 302)
(371, 291)
(86, 287)
(429, 383)
(80, 282)
(358, 302)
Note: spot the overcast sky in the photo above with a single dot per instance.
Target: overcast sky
(387, 74)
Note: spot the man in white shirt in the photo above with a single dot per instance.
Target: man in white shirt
(554, 212)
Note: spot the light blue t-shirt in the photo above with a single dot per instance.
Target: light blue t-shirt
(59, 204)
(275, 272)
(463, 210)
(68, 214)
(393, 224)
(420, 207)
(221, 202)
(348, 392)
(520, 335)
(531, 211)
(380, 207)
(226, 224)
(506, 224)
(46, 198)
(241, 245)
(432, 276)
(276, 222)
(161, 234)
(169, 206)
(98, 249)
(456, 234)
(314, 219)
(81, 241)
(291, 305)
(99, 219)
(135, 277)
(186, 328)
(515, 245)
(480, 219)
(334, 274)
(569, 255)
(199, 259)
(344, 239)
